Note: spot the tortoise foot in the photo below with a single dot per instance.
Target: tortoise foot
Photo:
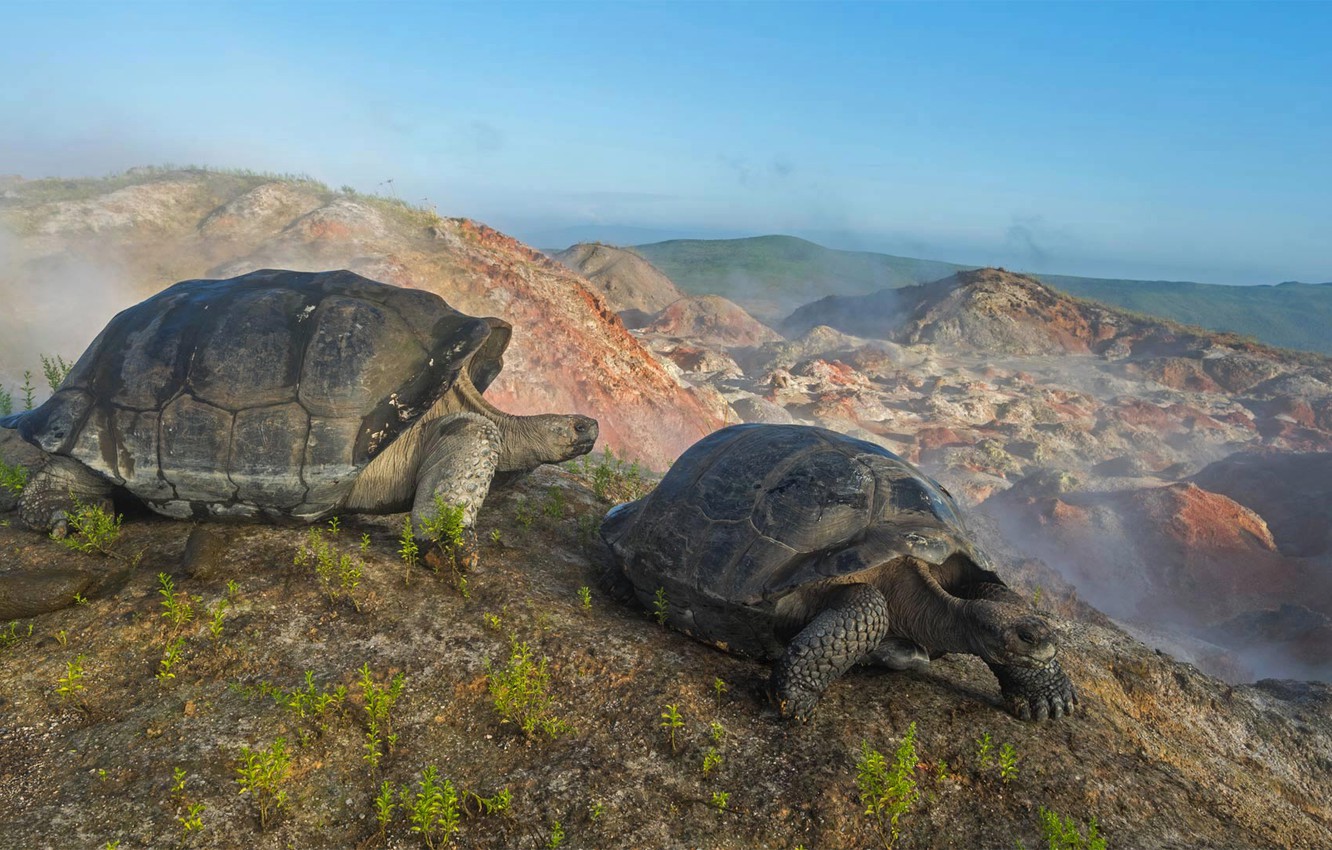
(1036, 693)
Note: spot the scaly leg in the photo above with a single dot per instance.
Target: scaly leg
(459, 460)
(852, 627)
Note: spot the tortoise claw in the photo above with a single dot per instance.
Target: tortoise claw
(1036, 693)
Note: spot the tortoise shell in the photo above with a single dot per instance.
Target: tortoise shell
(265, 393)
(753, 512)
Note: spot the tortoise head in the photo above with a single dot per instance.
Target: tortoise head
(1004, 633)
(530, 441)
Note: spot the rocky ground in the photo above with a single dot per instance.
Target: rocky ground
(1160, 754)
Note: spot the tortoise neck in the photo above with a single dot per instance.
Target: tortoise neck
(520, 436)
(920, 608)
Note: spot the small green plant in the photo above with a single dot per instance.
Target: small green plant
(233, 590)
(613, 480)
(6, 402)
(91, 528)
(217, 616)
(263, 775)
(661, 606)
(177, 607)
(1065, 834)
(596, 810)
(721, 800)
(445, 525)
(378, 701)
(671, 721)
(716, 732)
(719, 688)
(9, 635)
(62, 637)
(522, 513)
(556, 836)
(585, 596)
(407, 548)
(385, 805)
(1008, 769)
(433, 810)
(70, 686)
(888, 793)
(1036, 596)
(171, 656)
(941, 771)
(712, 760)
(314, 703)
(555, 504)
(494, 804)
(492, 620)
(984, 752)
(29, 391)
(188, 814)
(520, 691)
(12, 476)
(334, 525)
(55, 369)
(495, 536)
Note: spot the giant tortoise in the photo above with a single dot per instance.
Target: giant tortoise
(819, 551)
(288, 396)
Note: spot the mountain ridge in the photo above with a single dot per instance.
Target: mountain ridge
(1288, 314)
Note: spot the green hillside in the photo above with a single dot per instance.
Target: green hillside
(772, 275)
(1289, 315)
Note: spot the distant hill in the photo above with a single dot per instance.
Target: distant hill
(773, 275)
(1290, 315)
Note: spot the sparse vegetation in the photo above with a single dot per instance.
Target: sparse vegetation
(721, 800)
(520, 690)
(612, 479)
(433, 809)
(55, 369)
(91, 528)
(70, 686)
(12, 476)
(672, 722)
(661, 606)
(1065, 833)
(585, 597)
(189, 814)
(177, 607)
(556, 838)
(10, 634)
(1008, 769)
(263, 775)
(888, 793)
(171, 656)
(378, 701)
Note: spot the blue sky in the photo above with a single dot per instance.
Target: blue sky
(1180, 141)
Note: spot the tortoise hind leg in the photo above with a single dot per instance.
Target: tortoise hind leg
(458, 462)
(844, 633)
(57, 490)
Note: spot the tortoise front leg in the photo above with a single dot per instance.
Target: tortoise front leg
(842, 634)
(1036, 693)
(1031, 693)
(459, 457)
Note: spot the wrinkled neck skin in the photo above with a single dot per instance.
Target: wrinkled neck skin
(522, 438)
(920, 609)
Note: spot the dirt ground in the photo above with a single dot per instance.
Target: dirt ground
(1160, 755)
